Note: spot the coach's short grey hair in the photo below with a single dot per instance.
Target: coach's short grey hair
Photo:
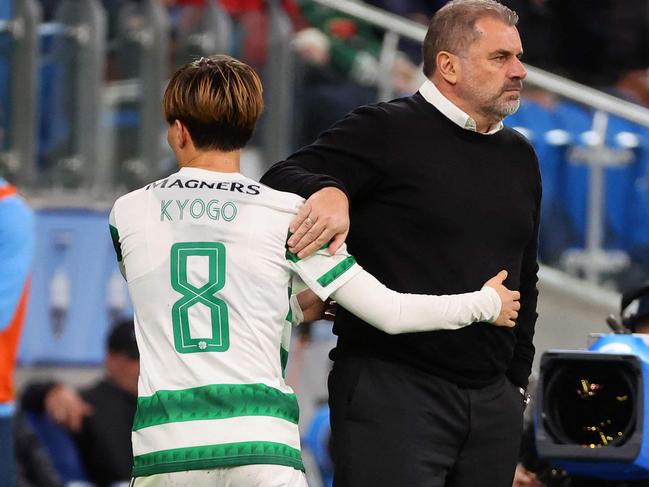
(452, 28)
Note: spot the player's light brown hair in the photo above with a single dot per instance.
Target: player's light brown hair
(452, 28)
(219, 100)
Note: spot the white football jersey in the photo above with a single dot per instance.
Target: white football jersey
(204, 254)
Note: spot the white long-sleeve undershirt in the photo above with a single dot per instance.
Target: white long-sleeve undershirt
(394, 312)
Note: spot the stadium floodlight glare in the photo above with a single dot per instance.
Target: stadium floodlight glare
(591, 409)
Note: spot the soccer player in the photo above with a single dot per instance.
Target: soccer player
(211, 279)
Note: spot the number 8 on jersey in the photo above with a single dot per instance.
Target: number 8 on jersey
(205, 295)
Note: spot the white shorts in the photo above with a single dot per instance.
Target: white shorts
(244, 476)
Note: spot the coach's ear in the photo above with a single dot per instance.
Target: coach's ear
(447, 66)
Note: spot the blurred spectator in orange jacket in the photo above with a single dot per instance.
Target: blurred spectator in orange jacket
(16, 248)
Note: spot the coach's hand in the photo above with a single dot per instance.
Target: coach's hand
(323, 218)
(509, 300)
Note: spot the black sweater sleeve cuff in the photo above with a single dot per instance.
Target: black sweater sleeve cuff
(287, 176)
(322, 181)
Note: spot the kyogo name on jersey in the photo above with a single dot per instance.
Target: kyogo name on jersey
(177, 210)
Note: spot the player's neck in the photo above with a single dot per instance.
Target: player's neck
(216, 160)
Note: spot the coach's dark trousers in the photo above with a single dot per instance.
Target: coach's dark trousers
(395, 426)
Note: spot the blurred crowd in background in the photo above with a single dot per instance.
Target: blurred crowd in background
(603, 44)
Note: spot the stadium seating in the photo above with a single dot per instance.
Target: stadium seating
(562, 136)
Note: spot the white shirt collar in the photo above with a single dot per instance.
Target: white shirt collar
(432, 95)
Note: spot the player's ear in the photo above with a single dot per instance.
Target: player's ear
(182, 135)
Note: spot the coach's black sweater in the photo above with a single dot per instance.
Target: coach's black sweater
(435, 209)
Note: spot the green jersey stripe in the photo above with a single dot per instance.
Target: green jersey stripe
(114, 235)
(336, 272)
(293, 257)
(217, 456)
(290, 255)
(217, 401)
(283, 358)
(289, 315)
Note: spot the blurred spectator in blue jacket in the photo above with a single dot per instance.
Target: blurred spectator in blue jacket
(98, 417)
(34, 465)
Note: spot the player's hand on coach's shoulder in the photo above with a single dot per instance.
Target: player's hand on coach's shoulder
(509, 300)
(323, 218)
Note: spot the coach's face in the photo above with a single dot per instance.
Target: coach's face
(491, 74)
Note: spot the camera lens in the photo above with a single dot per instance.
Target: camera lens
(590, 404)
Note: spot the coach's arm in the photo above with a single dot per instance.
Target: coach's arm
(342, 165)
(520, 366)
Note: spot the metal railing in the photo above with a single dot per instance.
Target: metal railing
(213, 35)
(18, 158)
(395, 25)
(79, 37)
(593, 260)
(278, 80)
(142, 54)
(102, 136)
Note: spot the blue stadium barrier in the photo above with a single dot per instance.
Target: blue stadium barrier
(628, 148)
(638, 223)
(76, 289)
(560, 136)
(550, 142)
(573, 189)
(535, 122)
(5, 9)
